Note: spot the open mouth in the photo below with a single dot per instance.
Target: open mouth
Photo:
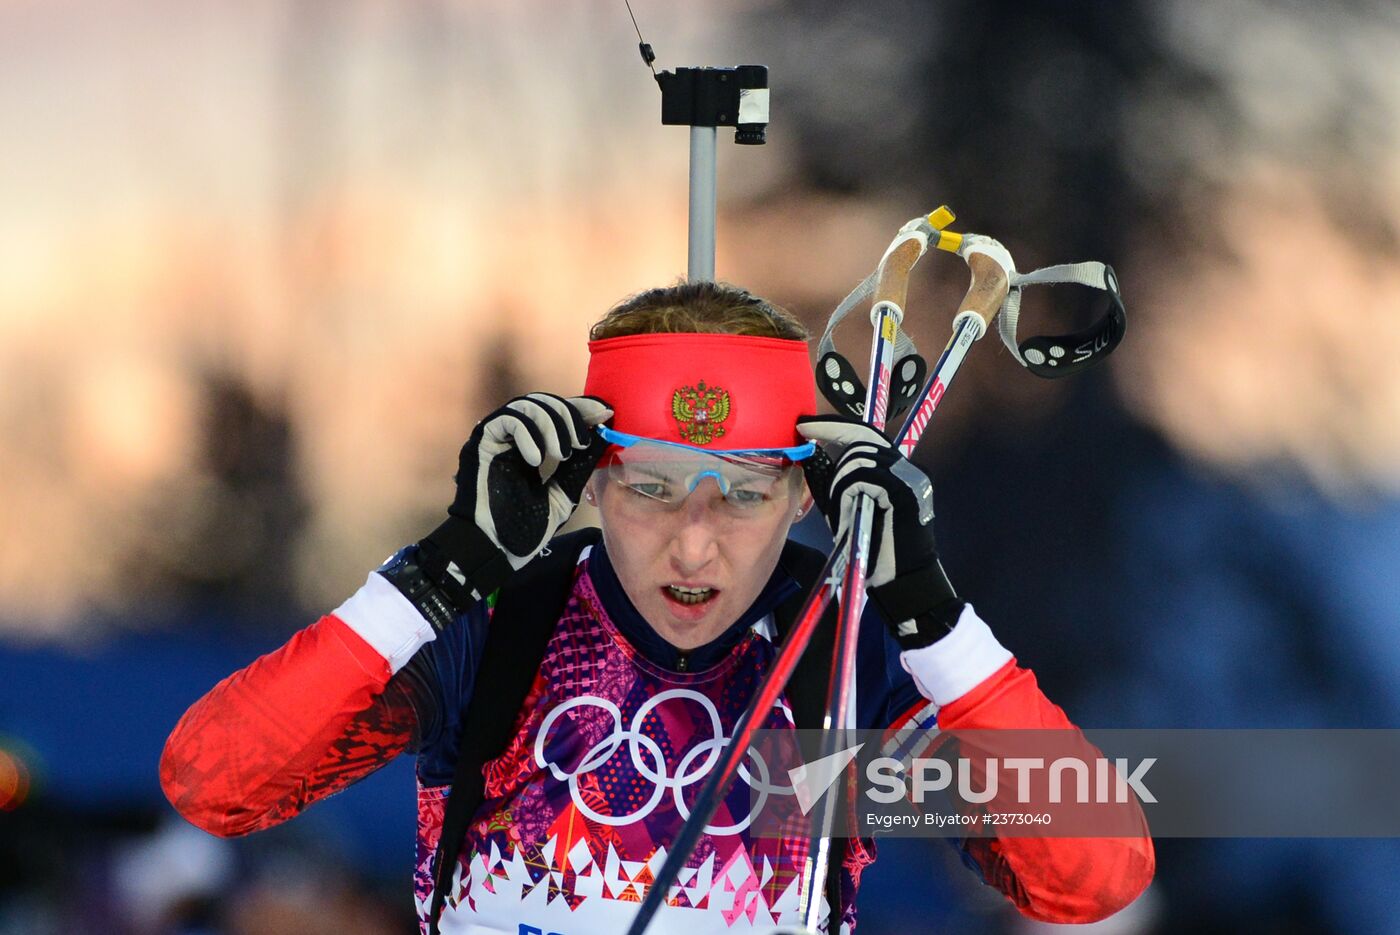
(684, 595)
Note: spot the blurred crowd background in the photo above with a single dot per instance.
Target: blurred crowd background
(263, 265)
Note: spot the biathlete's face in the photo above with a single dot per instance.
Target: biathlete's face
(694, 537)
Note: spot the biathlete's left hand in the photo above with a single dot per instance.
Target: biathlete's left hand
(904, 578)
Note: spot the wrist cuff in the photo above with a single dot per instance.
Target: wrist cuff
(912, 595)
(929, 627)
(406, 572)
(385, 619)
(951, 667)
(463, 561)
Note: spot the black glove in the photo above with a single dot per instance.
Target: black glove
(519, 478)
(904, 579)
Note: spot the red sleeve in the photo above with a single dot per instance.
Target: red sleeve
(293, 727)
(1065, 880)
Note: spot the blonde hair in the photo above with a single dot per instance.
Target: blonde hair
(704, 307)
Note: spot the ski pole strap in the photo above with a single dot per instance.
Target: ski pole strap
(1060, 355)
(838, 380)
(902, 345)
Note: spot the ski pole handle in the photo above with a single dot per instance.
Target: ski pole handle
(986, 293)
(892, 282)
(912, 242)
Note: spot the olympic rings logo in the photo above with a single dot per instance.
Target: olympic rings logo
(688, 772)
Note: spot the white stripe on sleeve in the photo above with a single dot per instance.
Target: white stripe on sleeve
(386, 620)
(952, 666)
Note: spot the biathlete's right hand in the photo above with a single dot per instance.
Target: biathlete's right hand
(519, 478)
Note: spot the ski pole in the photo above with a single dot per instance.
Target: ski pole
(968, 328)
(989, 287)
(886, 314)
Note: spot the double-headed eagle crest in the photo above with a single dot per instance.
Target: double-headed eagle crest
(699, 411)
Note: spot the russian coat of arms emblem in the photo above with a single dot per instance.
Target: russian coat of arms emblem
(700, 411)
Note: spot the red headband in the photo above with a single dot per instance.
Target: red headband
(716, 391)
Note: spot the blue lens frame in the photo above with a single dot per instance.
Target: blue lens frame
(795, 453)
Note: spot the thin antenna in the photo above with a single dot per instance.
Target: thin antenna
(648, 56)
